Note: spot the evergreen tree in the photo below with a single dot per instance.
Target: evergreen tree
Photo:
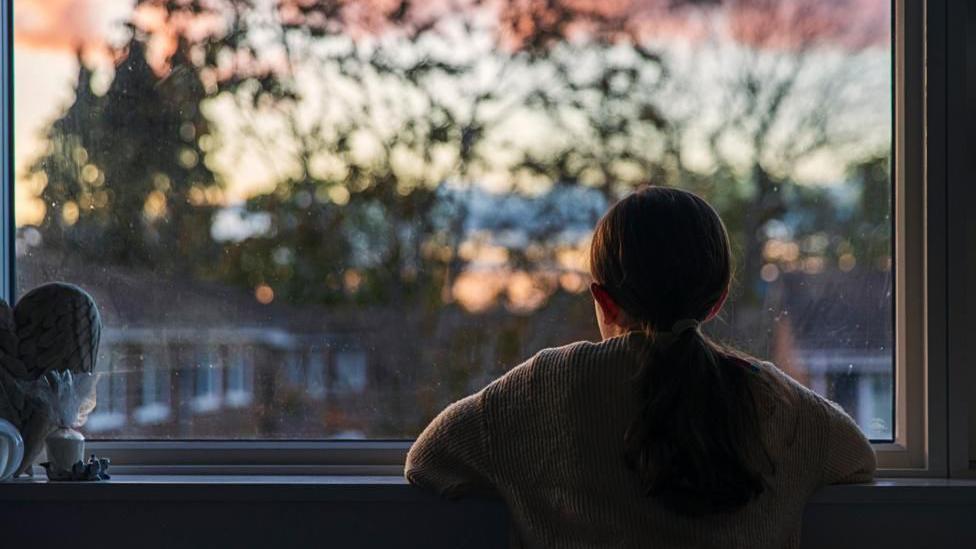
(126, 181)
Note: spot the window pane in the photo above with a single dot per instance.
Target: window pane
(154, 407)
(302, 222)
(240, 377)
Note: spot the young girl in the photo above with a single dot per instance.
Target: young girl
(656, 436)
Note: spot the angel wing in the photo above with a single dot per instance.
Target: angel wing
(14, 404)
(58, 328)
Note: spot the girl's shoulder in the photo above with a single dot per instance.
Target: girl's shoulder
(569, 364)
(582, 356)
(787, 397)
(785, 384)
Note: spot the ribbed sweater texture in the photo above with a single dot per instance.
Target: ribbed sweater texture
(547, 437)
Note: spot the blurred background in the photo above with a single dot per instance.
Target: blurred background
(329, 219)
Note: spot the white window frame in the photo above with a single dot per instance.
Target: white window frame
(931, 347)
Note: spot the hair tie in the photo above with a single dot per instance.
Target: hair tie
(668, 338)
(684, 325)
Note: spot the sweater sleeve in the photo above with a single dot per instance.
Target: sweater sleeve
(850, 458)
(451, 456)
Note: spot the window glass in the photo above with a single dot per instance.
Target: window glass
(316, 374)
(155, 386)
(350, 371)
(240, 376)
(207, 381)
(110, 393)
(329, 220)
(294, 372)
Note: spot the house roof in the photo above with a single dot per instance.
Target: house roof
(135, 298)
(835, 310)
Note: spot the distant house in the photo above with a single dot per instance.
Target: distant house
(188, 359)
(182, 358)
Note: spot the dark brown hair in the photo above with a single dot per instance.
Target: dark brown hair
(663, 254)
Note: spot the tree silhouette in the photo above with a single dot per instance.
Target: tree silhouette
(126, 178)
(782, 98)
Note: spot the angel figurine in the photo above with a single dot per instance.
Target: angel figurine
(53, 328)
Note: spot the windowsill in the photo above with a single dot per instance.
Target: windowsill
(899, 490)
(218, 487)
(246, 511)
(395, 488)
(385, 511)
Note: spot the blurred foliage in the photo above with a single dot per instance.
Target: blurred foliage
(395, 80)
(121, 194)
(386, 116)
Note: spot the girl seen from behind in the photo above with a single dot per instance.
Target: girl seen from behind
(656, 436)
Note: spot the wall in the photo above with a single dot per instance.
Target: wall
(379, 512)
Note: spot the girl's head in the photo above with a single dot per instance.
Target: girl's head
(659, 256)
(661, 264)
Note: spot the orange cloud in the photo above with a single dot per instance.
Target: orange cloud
(89, 27)
(71, 25)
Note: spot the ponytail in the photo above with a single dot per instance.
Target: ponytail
(695, 444)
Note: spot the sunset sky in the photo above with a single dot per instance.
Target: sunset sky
(49, 33)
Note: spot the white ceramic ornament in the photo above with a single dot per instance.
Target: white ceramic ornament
(65, 447)
(11, 449)
(54, 328)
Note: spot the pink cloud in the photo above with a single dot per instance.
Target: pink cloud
(82, 25)
(58, 24)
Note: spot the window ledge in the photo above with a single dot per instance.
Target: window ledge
(395, 488)
(384, 511)
(899, 490)
(219, 488)
(151, 511)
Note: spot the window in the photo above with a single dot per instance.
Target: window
(207, 390)
(110, 392)
(350, 372)
(240, 377)
(424, 187)
(294, 372)
(316, 373)
(393, 206)
(155, 384)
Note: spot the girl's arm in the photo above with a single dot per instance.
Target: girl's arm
(451, 455)
(850, 458)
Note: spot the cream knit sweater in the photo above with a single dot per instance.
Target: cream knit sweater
(548, 438)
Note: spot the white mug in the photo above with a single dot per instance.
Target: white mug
(11, 449)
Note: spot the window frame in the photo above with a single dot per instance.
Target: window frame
(918, 249)
(922, 149)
